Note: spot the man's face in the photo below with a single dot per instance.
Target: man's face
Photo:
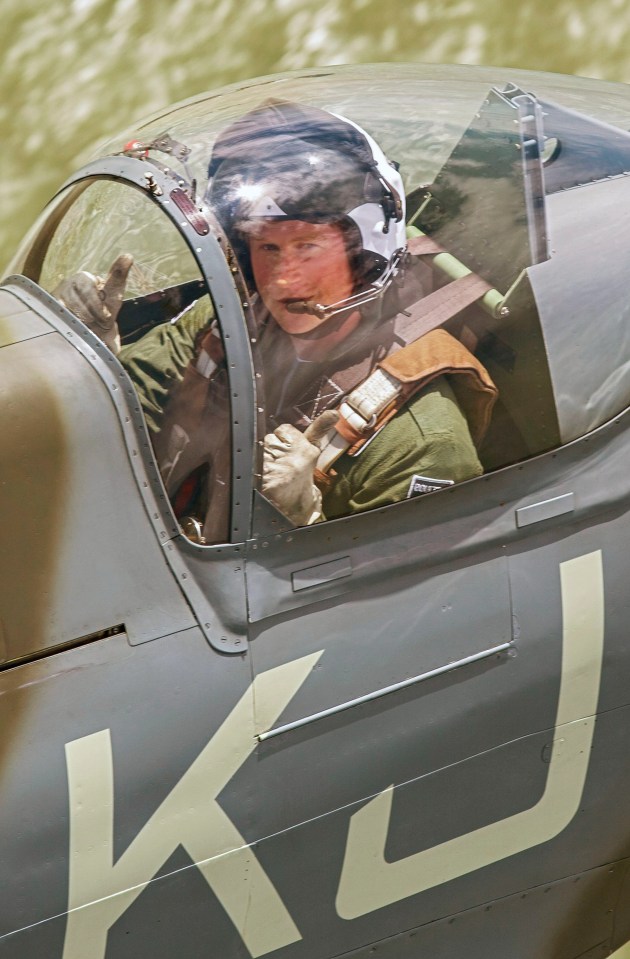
(293, 260)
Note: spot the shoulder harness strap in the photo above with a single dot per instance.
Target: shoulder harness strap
(428, 352)
(399, 377)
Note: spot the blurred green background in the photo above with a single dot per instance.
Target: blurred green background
(76, 71)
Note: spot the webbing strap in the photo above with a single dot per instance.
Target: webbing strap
(400, 376)
(423, 317)
(439, 306)
(424, 245)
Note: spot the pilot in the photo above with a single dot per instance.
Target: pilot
(361, 412)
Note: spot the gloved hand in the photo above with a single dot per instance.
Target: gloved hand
(288, 463)
(97, 301)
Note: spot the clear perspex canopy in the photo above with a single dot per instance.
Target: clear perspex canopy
(359, 210)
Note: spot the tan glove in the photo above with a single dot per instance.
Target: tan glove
(289, 460)
(97, 301)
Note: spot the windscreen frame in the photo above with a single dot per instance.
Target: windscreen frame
(231, 302)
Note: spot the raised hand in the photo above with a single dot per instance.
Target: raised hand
(289, 460)
(97, 301)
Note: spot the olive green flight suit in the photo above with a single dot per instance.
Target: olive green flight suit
(428, 437)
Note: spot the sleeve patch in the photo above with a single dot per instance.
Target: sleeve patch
(426, 484)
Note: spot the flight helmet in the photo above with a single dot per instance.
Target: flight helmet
(286, 160)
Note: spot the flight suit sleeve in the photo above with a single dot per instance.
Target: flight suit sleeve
(428, 437)
(158, 360)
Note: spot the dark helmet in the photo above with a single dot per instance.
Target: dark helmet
(286, 160)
